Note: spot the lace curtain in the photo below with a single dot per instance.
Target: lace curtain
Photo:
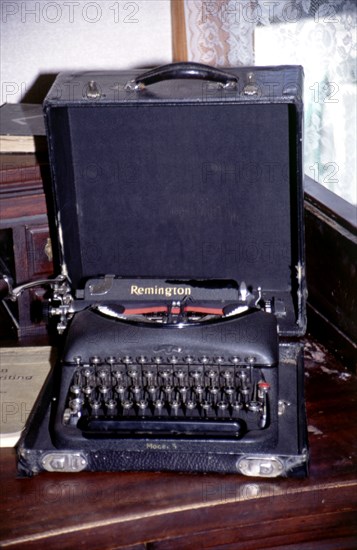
(216, 35)
(318, 34)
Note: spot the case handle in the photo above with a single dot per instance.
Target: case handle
(182, 71)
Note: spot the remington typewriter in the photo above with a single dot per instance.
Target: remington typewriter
(181, 296)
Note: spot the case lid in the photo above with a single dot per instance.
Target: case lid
(160, 176)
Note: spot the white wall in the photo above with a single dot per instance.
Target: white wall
(46, 37)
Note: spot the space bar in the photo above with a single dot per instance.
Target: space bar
(108, 428)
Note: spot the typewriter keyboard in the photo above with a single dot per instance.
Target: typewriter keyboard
(187, 397)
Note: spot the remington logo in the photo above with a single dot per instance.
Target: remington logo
(160, 291)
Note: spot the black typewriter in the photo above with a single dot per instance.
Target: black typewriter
(178, 234)
(175, 369)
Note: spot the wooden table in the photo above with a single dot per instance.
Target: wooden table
(178, 511)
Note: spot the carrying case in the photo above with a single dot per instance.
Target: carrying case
(183, 175)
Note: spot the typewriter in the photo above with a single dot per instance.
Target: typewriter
(193, 372)
(182, 290)
(179, 371)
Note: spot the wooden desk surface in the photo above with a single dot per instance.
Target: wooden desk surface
(157, 511)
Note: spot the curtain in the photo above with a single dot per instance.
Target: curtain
(216, 33)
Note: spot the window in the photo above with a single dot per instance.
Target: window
(321, 36)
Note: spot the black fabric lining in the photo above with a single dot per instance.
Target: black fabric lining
(189, 191)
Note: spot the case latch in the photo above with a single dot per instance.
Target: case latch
(63, 461)
(92, 90)
(251, 88)
(261, 466)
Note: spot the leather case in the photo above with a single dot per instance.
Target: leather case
(189, 177)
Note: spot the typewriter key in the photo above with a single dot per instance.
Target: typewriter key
(243, 379)
(76, 389)
(227, 375)
(196, 375)
(254, 406)
(87, 390)
(190, 406)
(199, 391)
(87, 372)
(143, 405)
(159, 405)
(212, 375)
(222, 407)
(183, 393)
(244, 390)
(152, 390)
(206, 406)
(136, 391)
(102, 374)
(175, 405)
(168, 392)
(229, 391)
(214, 395)
(127, 405)
(133, 373)
(237, 406)
(94, 405)
(111, 406)
(181, 376)
(165, 374)
(263, 386)
(150, 376)
(120, 390)
(76, 404)
(104, 390)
